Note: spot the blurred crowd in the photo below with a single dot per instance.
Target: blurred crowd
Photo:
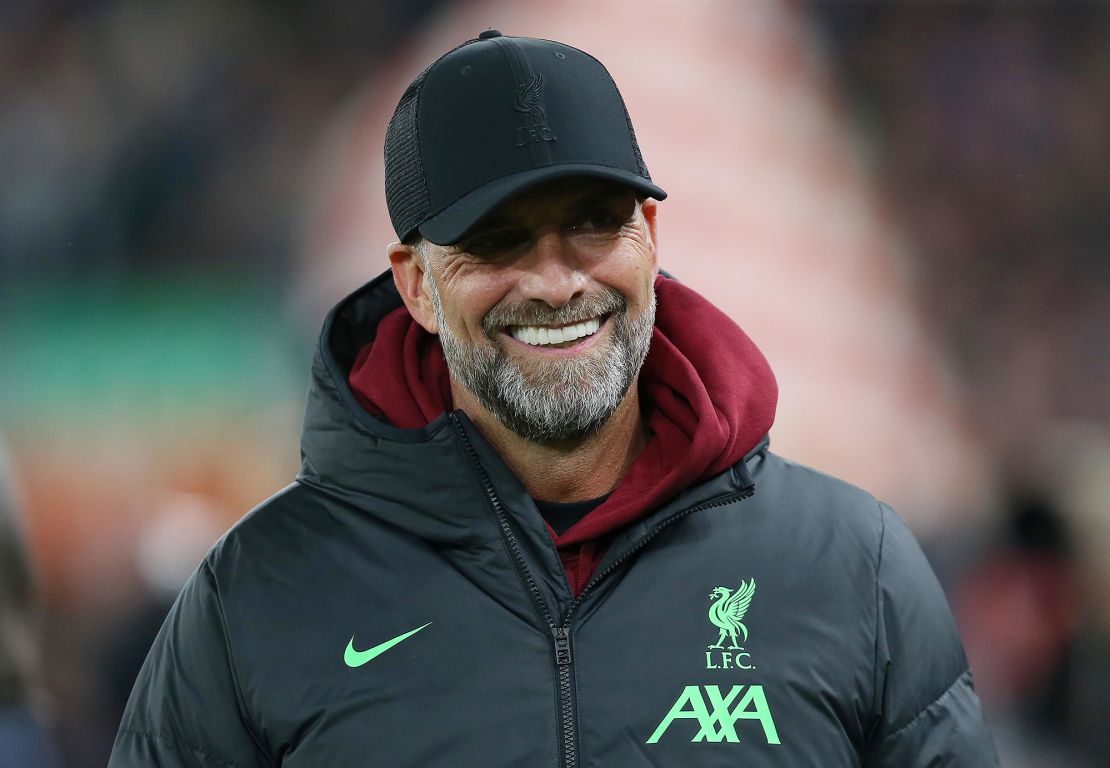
(990, 128)
(160, 139)
(139, 136)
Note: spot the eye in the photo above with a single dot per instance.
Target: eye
(605, 216)
(494, 242)
(598, 220)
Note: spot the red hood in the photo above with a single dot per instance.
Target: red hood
(707, 390)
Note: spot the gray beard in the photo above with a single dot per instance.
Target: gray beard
(551, 401)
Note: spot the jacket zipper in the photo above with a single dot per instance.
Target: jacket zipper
(560, 634)
(568, 717)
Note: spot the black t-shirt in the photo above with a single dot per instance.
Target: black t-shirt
(562, 515)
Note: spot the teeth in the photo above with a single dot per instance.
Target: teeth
(543, 336)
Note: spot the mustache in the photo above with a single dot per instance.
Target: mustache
(539, 313)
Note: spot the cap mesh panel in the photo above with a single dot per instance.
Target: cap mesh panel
(631, 131)
(406, 193)
(406, 189)
(635, 144)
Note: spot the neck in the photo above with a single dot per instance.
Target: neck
(575, 470)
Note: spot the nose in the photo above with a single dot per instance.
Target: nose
(552, 272)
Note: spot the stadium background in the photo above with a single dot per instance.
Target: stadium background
(905, 204)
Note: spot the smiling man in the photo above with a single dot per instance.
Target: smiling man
(538, 522)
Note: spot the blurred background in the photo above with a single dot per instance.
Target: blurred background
(904, 204)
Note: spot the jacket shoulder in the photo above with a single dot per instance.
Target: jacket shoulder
(826, 507)
(274, 526)
(804, 480)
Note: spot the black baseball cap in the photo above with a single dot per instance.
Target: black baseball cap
(498, 115)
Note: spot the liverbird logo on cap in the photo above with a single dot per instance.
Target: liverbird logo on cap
(528, 98)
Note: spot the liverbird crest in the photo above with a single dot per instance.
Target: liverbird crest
(528, 99)
(728, 609)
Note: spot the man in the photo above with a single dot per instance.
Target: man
(537, 521)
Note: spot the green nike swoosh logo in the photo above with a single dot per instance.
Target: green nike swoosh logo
(355, 658)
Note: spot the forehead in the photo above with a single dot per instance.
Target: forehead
(555, 198)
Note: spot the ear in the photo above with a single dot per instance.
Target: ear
(650, 208)
(412, 283)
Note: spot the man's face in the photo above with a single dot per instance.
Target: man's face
(545, 310)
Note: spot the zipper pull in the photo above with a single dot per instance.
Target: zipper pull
(562, 646)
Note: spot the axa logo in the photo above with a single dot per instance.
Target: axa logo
(528, 98)
(726, 612)
(718, 714)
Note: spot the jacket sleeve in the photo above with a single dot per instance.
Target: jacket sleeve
(185, 710)
(926, 710)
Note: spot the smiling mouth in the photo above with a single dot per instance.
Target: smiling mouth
(564, 335)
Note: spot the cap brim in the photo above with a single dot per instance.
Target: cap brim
(453, 222)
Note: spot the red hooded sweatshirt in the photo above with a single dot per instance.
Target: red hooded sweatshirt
(707, 392)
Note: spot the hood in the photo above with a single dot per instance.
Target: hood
(350, 454)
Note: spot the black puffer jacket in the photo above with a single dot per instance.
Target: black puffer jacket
(402, 605)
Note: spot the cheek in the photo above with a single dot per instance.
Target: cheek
(467, 314)
(465, 324)
(633, 275)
